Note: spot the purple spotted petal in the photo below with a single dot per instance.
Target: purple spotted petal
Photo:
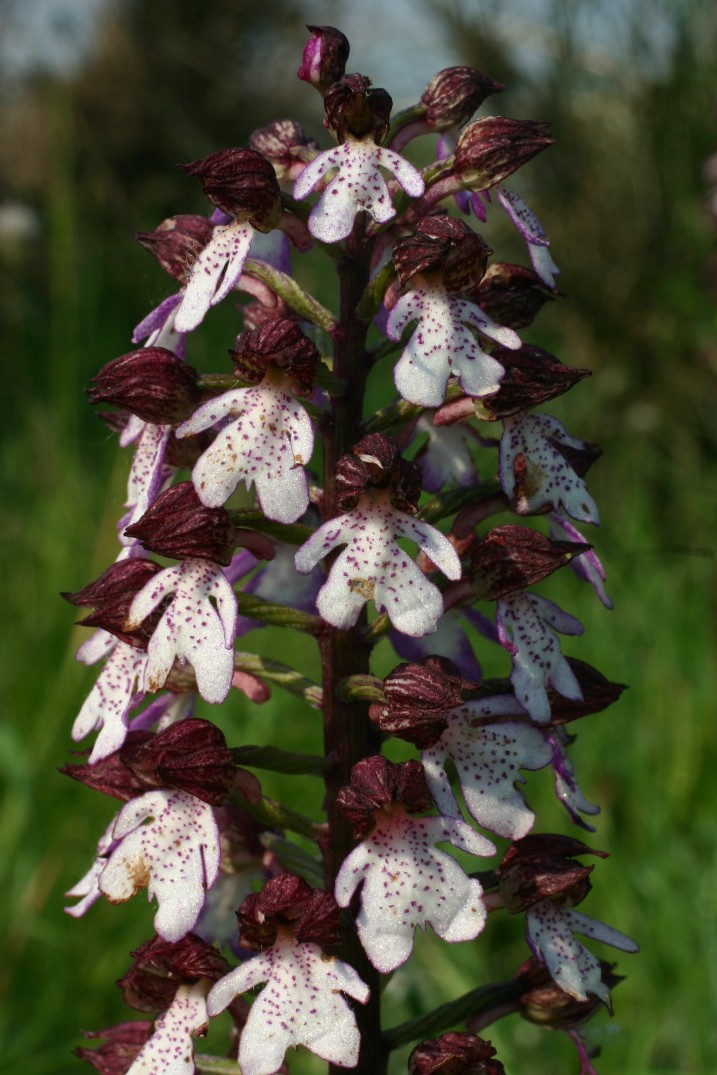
(551, 480)
(175, 855)
(87, 889)
(170, 1050)
(156, 319)
(198, 626)
(301, 1004)
(268, 443)
(407, 882)
(106, 708)
(214, 273)
(587, 566)
(524, 627)
(567, 789)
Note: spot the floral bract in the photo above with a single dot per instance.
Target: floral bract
(301, 1004)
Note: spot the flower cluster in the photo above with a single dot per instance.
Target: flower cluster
(384, 534)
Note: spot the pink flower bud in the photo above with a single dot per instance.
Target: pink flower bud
(325, 56)
(177, 242)
(151, 382)
(454, 94)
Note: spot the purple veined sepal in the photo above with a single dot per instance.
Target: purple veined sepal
(535, 474)
(192, 628)
(588, 565)
(357, 185)
(526, 624)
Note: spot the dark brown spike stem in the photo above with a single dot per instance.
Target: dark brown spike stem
(348, 734)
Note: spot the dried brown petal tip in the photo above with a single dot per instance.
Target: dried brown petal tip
(510, 558)
(355, 107)
(191, 755)
(376, 783)
(179, 526)
(540, 867)
(417, 698)
(512, 295)
(242, 183)
(152, 383)
(177, 242)
(545, 1003)
(443, 244)
(324, 58)
(492, 148)
(111, 596)
(532, 376)
(288, 903)
(454, 94)
(277, 341)
(597, 694)
(455, 1053)
(160, 967)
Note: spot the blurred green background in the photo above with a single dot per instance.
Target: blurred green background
(99, 102)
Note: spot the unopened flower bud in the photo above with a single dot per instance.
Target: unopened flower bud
(454, 94)
(377, 782)
(597, 694)
(545, 1003)
(417, 699)
(118, 1052)
(285, 143)
(111, 596)
(443, 243)
(287, 901)
(242, 183)
(191, 755)
(532, 376)
(455, 1053)
(492, 148)
(324, 58)
(540, 867)
(281, 341)
(512, 295)
(511, 558)
(160, 967)
(375, 462)
(179, 526)
(354, 107)
(151, 382)
(177, 242)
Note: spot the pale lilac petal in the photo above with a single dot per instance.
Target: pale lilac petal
(587, 566)
(147, 475)
(170, 1050)
(407, 883)
(214, 273)
(132, 431)
(473, 315)
(537, 659)
(273, 247)
(106, 708)
(96, 647)
(450, 640)
(175, 856)
(551, 479)
(323, 541)
(431, 541)
(301, 1004)
(156, 319)
(567, 789)
(315, 171)
(531, 231)
(409, 177)
(151, 595)
(446, 460)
